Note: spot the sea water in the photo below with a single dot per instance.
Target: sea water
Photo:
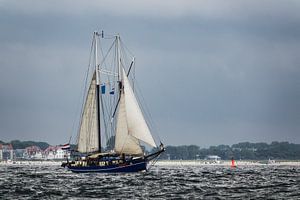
(160, 182)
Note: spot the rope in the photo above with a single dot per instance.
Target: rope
(154, 162)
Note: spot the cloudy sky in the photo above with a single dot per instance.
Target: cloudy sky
(212, 72)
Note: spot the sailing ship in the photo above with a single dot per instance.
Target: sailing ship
(117, 114)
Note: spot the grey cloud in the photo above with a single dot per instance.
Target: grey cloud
(215, 72)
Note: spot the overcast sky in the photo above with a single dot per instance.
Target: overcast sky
(212, 72)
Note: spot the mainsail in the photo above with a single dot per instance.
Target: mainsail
(88, 132)
(131, 125)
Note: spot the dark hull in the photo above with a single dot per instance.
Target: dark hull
(131, 167)
(113, 165)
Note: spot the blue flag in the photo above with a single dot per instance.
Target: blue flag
(112, 91)
(102, 88)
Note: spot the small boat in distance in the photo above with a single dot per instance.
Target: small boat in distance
(111, 109)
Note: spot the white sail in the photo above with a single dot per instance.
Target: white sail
(137, 126)
(124, 142)
(88, 132)
(131, 125)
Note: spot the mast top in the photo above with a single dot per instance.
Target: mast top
(99, 34)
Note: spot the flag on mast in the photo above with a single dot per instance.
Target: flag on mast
(102, 88)
(112, 91)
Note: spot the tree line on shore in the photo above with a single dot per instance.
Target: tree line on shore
(243, 150)
(240, 151)
(17, 144)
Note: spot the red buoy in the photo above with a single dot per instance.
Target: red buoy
(233, 163)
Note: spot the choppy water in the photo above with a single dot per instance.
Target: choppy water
(183, 182)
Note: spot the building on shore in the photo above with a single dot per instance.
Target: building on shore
(33, 153)
(6, 152)
(50, 153)
(19, 154)
(56, 153)
(213, 158)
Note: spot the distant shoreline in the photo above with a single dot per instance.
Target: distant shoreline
(243, 150)
(227, 162)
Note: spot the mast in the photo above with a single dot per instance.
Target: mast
(131, 127)
(119, 60)
(97, 90)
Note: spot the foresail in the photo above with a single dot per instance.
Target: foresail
(125, 143)
(88, 132)
(137, 126)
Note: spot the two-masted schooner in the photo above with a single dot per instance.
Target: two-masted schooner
(111, 109)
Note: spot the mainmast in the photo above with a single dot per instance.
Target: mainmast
(96, 34)
(119, 60)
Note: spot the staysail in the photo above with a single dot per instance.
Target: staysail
(88, 132)
(131, 124)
